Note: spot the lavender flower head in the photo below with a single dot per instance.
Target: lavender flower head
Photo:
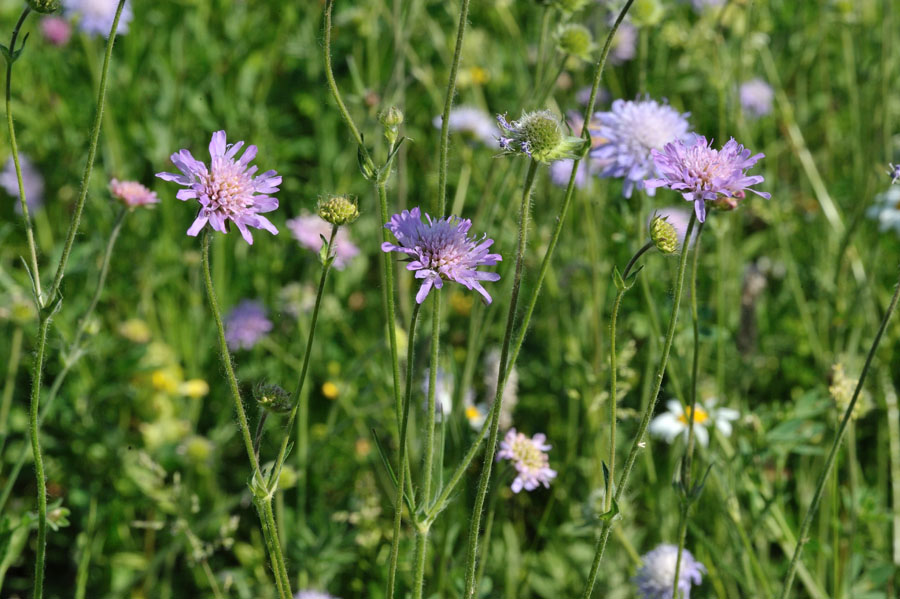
(624, 44)
(311, 594)
(657, 574)
(894, 172)
(309, 229)
(95, 17)
(31, 181)
(703, 174)
(529, 458)
(132, 193)
(756, 97)
(227, 190)
(246, 324)
(629, 132)
(886, 209)
(472, 121)
(442, 249)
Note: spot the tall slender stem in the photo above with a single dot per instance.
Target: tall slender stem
(268, 528)
(404, 420)
(14, 147)
(34, 424)
(691, 415)
(829, 462)
(645, 418)
(475, 525)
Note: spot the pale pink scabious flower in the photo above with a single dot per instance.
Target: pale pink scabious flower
(56, 30)
(703, 174)
(756, 97)
(227, 190)
(309, 229)
(311, 594)
(442, 249)
(529, 458)
(246, 324)
(132, 193)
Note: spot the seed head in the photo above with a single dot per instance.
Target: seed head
(338, 210)
(44, 6)
(540, 136)
(646, 13)
(663, 235)
(576, 40)
(272, 398)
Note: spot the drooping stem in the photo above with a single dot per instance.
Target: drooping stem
(404, 420)
(638, 441)
(829, 462)
(268, 528)
(502, 374)
(691, 416)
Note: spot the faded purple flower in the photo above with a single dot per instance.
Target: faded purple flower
(561, 170)
(656, 576)
(703, 174)
(442, 249)
(246, 324)
(309, 229)
(227, 190)
(628, 133)
(529, 458)
(132, 193)
(32, 181)
(756, 97)
(472, 121)
(624, 44)
(95, 17)
(56, 30)
(311, 594)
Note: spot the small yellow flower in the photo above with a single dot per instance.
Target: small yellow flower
(135, 330)
(194, 388)
(479, 75)
(330, 390)
(362, 447)
(165, 380)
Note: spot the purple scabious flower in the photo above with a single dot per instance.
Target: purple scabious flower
(312, 594)
(95, 17)
(246, 324)
(624, 44)
(561, 170)
(227, 190)
(756, 97)
(886, 209)
(57, 30)
(894, 172)
(442, 249)
(628, 133)
(132, 193)
(702, 173)
(32, 181)
(474, 122)
(656, 576)
(309, 229)
(529, 458)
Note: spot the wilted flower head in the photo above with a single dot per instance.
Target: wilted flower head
(56, 30)
(95, 17)
(443, 392)
(309, 229)
(657, 574)
(311, 594)
(703, 174)
(473, 121)
(669, 425)
(227, 190)
(529, 458)
(756, 97)
(32, 181)
(132, 193)
(246, 324)
(575, 39)
(627, 134)
(538, 135)
(442, 249)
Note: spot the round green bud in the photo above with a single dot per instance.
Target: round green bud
(576, 40)
(570, 6)
(646, 13)
(663, 235)
(338, 210)
(542, 132)
(44, 6)
(392, 117)
(272, 398)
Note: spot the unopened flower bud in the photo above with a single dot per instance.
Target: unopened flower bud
(663, 235)
(272, 398)
(391, 119)
(338, 210)
(576, 40)
(44, 6)
(646, 13)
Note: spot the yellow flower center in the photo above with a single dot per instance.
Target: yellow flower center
(472, 413)
(700, 416)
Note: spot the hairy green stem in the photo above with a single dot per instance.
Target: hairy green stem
(648, 412)
(475, 525)
(829, 462)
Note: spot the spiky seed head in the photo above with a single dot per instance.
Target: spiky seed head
(663, 235)
(338, 210)
(44, 6)
(576, 40)
(541, 131)
(272, 398)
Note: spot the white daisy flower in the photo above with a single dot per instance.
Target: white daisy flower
(673, 423)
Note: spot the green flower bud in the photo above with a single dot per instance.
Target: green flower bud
(576, 40)
(272, 398)
(391, 119)
(540, 136)
(646, 13)
(663, 235)
(44, 6)
(570, 6)
(338, 210)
